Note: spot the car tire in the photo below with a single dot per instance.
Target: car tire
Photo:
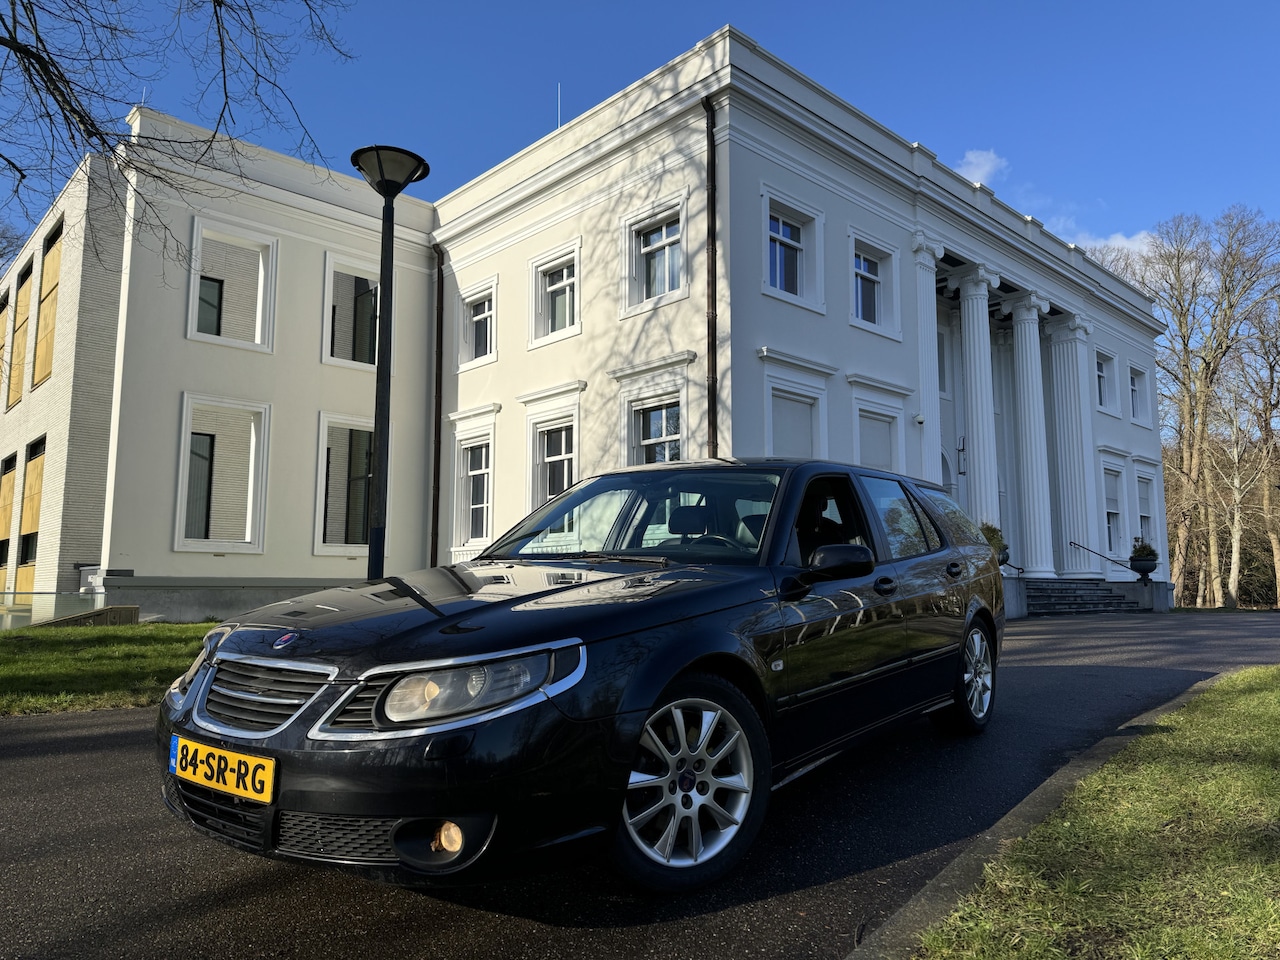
(975, 690)
(698, 788)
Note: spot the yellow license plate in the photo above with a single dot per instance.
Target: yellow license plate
(240, 774)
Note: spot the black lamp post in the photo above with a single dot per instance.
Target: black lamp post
(388, 170)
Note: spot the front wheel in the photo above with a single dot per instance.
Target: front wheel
(698, 788)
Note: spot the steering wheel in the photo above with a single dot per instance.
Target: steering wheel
(718, 540)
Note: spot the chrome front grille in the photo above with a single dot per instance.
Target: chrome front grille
(357, 712)
(259, 695)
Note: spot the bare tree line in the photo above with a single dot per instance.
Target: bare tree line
(1216, 285)
(71, 71)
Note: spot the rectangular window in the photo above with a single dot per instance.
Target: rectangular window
(18, 357)
(558, 311)
(866, 290)
(786, 250)
(1105, 375)
(1138, 395)
(47, 318)
(199, 486)
(792, 427)
(1145, 529)
(353, 317)
(8, 474)
(944, 384)
(222, 481)
(875, 441)
(480, 327)
(29, 522)
(1111, 486)
(907, 536)
(477, 492)
(232, 292)
(209, 318)
(347, 479)
(555, 461)
(659, 258)
(4, 324)
(658, 433)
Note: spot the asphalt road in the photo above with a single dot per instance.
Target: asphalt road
(92, 865)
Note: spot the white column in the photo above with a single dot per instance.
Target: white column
(1032, 448)
(1073, 441)
(927, 253)
(980, 428)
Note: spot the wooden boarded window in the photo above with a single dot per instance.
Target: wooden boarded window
(29, 525)
(8, 473)
(47, 318)
(18, 356)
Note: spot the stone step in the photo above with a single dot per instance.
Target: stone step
(1049, 598)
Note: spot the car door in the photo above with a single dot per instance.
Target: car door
(930, 593)
(842, 635)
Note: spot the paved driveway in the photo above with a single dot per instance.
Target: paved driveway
(92, 865)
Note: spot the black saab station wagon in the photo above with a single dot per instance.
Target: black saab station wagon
(640, 660)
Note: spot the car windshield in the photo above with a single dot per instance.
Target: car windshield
(684, 516)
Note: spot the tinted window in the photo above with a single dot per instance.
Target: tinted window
(828, 515)
(901, 525)
(963, 529)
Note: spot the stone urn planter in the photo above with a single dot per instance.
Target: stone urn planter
(1143, 560)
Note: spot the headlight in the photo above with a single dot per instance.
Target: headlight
(436, 694)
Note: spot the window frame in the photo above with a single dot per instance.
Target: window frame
(352, 266)
(1140, 391)
(484, 289)
(1106, 393)
(548, 409)
(1115, 538)
(540, 268)
(240, 235)
(634, 300)
(256, 508)
(864, 246)
(319, 547)
(811, 293)
(647, 384)
(472, 428)
(801, 379)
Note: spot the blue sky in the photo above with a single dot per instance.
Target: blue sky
(1098, 118)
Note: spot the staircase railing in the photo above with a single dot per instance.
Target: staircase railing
(1102, 556)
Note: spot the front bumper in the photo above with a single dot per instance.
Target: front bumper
(513, 784)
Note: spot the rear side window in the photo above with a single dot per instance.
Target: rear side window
(908, 534)
(963, 529)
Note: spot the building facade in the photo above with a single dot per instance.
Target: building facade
(724, 259)
(189, 380)
(848, 297)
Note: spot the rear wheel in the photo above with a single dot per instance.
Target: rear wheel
(698, 789)
(975, 690)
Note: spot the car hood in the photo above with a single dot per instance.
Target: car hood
(477, 608)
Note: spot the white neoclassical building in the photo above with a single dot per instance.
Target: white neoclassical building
(723, 259)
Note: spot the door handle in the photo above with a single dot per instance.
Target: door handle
(954, 569)
(886, 586)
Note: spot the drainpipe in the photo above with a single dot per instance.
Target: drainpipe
(713, 381)
(436, 407)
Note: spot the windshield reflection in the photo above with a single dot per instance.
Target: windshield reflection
(680, 516)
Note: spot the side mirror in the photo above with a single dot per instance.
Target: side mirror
(840, 561)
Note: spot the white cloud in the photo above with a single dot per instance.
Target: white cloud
(1137, 242)
(982, 166)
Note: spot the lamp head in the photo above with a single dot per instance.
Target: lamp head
(389, 169)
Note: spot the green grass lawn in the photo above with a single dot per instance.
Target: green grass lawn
(1170, 852)
(51, 669)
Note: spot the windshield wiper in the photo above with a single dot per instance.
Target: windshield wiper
(601, 555)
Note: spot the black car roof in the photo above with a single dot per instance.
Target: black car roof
(784, 463)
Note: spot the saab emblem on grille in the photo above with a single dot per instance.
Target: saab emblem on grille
(284, 641)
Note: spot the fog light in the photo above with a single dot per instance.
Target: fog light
(448, 838)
